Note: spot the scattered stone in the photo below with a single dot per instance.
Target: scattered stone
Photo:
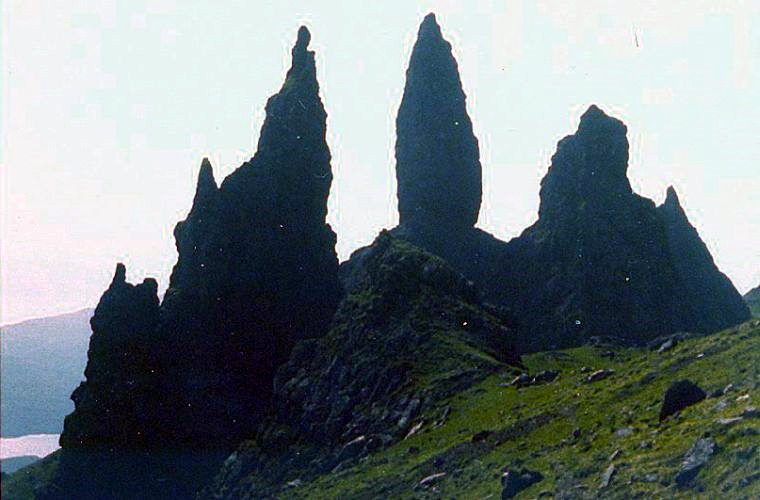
(416, 427)
(614, 455)
(645, 445)
(521, 380)
(720, 405)
(680, 395)
(296, 483)
(694, 460)
(545, 376)
(481, 436)
(751, 412)
(607, 476)
(624, 432)
(608, 354)
(524, 380)
(429, 480)
(600, 375)
(515, 481)
(667, 345)
(743, 397)
(728, 388)
(746, 481)
(353, 448)
(729, 421)
(585, 369)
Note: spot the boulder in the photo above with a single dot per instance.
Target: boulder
(696, 458)
(680, 395)
(514, 481)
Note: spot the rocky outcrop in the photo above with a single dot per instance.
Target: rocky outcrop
(680, 395)
(705, 298)
(752, 299)
(257, 271)
(402, 320)
(257, 268)
(602, 260)
(410, 332)
(437, 158)
(438, 165)
(113, 405)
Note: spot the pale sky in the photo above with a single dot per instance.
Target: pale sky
(108, 108)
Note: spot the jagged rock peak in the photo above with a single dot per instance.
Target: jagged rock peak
(437, 158)
(671, 198)
(206, 187)
(589, 167)
(597, 123)
(430, 28)
(120, 276)
(206, 175)
(302, 64)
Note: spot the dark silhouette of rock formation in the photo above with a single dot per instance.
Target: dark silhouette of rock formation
(437, 164)
(604, 261)
(600, 261)
(437, 158)
(410, 332)
(257, 271)
(705, 297)
(113, 404)
(752, 299)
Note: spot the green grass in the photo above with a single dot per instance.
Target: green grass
(22, 484)
(533, 427)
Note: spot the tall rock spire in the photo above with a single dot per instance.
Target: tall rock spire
(602, 260)
(706, 299)
(257, 267)
(437, 159)
(120, 372)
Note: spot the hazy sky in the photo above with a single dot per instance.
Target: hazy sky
(109, 107)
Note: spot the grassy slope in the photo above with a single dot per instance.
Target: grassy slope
(534, 427)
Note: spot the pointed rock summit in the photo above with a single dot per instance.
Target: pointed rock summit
(438, 165)
(118, 378)
(589, 166)
(257, 271)
(705, 298)
(603, 261)
(437, 159)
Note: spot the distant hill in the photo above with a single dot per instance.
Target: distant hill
(752, 298)
(43, 361)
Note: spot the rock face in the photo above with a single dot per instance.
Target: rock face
(410, 332)
(752, 299)
(705, 298)
(438, 164)
(112, 403)
(404, 317)
(257, 268)
(602, 260)
(257, 271)
(437, 158)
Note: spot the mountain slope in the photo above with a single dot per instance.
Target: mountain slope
(410, 332)
(752, 299)
(42, 361)
(571, 431)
